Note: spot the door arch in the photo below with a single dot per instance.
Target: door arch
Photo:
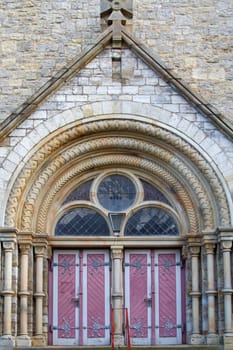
(151, 152)
(147, 213)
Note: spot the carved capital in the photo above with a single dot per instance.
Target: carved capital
(40, 250)
(209, 248)
(24, 248)
(117, 252)
(8, 246)
(194, 250)
(226, 246)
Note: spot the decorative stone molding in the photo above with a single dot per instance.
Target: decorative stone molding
(107, 143)
(116, 10)
(58, 141)
(116, 160)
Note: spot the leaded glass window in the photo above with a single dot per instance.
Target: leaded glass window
(151, 221)
(82, 222)
(152, 193)
(116, 193)
(82, 193)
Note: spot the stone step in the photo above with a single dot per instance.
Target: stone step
(158, 347)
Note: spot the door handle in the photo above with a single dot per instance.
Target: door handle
(148, 301)
(76, 301)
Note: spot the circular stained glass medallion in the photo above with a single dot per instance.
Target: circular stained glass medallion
(116, 193)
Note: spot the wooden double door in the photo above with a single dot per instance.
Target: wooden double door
(81, 307)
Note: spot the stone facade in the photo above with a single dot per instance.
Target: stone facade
(116, 109)
(193, 38)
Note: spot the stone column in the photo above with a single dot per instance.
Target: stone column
(225, 237)
(117, 294)
(23, 339)
(7, 293)
(40, 251)
(211, 292)
(227, 291)
(196, 337)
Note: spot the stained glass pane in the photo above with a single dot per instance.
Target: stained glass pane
(151, 222)
(82, 222)
(116, 193)
(81, 193)
(151, 193)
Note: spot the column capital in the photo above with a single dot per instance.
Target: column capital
(40, 250)
(40, 243)
(209, 247)
(24, 248)
(8, 245)
(194, 250)
(117, 252)
(226, 245)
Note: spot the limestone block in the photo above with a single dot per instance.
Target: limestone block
(228, 341)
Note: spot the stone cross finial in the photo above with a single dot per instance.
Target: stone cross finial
(116, 10)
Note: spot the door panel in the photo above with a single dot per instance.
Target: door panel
(96, 301)
(81, 298)
(153, 296)
(168, 297)
(138, 295)
(65, 289)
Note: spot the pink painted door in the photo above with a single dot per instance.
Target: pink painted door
(153, 296)
(138, 295)
(96, 299)
(168, 297)
(65, 298)
(81, 298)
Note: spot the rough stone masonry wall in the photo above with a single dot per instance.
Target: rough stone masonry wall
(194, 38)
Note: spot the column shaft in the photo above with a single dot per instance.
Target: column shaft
(7, 292)
(211, 292)
(117, 292)
(226, 248)
(24, 251)
(195, 290)
(39, 294)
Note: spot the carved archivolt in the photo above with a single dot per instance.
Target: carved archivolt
(115, 161)
(120, 143)
(181, 148)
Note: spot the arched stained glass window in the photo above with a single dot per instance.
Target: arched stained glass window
(82, 193)
(116, 193)
(151, 221)
(82, 222)
(152, 193)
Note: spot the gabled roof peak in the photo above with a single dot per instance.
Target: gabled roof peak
(114, 35)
